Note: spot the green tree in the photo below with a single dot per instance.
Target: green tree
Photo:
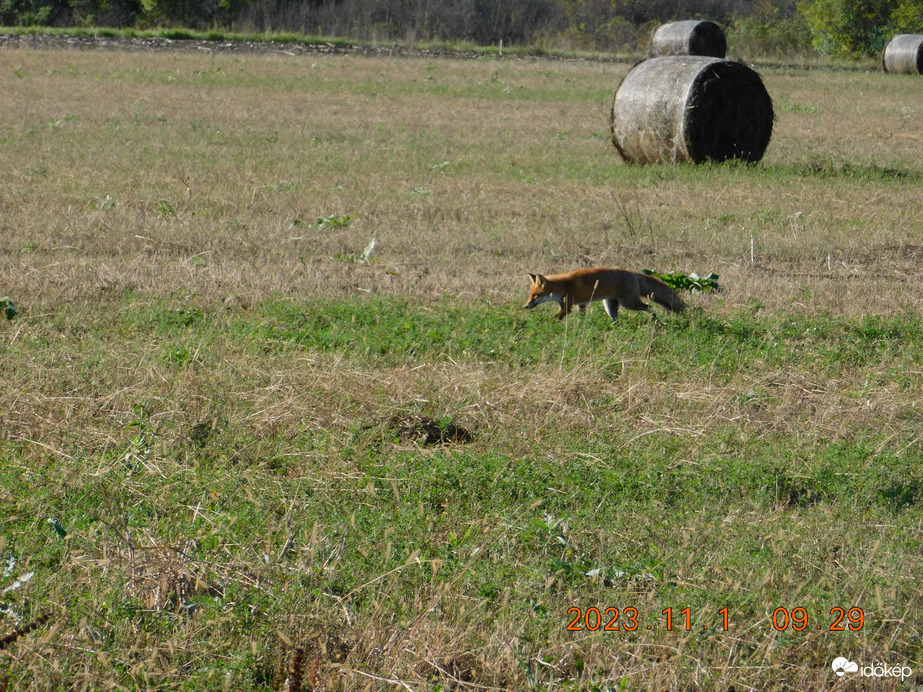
(190, 13)
(853, 28)
(908, 17)
(105, 12)
(848, 28)
(33, 12)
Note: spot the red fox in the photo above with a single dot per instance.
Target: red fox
(613, 287)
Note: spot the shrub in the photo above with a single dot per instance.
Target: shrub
(851, 28)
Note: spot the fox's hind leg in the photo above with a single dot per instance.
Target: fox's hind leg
(612, 308)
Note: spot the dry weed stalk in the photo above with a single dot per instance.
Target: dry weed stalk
(307, 666)
(19, 632)
(296, 670)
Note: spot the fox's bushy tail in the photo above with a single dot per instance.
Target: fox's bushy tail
(660, 293)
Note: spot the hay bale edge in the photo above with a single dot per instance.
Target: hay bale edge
(903, 55)
(689, 37)
(691, 108)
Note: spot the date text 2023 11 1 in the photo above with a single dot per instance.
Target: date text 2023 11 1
(626, 619)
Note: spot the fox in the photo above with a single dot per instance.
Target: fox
(613, 287)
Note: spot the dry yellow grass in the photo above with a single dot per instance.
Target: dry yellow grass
(161, 171)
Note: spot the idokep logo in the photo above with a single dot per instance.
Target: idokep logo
(841, 666)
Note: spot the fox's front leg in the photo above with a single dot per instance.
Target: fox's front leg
(566, 307)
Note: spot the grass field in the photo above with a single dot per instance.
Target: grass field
(233, 455)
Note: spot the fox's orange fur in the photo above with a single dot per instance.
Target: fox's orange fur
(613, 287)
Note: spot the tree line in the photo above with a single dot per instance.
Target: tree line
(776, 27)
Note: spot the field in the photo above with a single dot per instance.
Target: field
(239, 452)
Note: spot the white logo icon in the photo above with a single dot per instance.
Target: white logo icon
(841, 666)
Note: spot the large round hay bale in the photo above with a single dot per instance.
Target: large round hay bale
(691, 108)
(689, 38)
(903, 54)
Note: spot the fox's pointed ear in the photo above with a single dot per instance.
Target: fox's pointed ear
(538, 280)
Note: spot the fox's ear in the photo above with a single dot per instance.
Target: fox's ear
(532, 277)
(538, 279)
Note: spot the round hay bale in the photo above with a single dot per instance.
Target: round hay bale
(903, 54)
(689, 38)
(691, 108)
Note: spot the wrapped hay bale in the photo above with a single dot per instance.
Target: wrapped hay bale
(689, 38)
(903, 54)
(691, 108)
